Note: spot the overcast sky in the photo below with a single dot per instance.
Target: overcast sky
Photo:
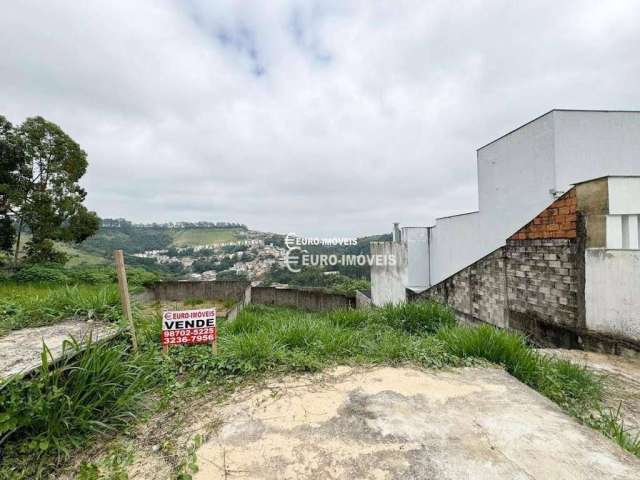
(321, 118)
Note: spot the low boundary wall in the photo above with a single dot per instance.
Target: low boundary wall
(305, 299)
(176, 291)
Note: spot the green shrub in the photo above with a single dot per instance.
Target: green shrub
(140, 276)
(94, 275)
(35, 305)
(41, 274)
(192, 302)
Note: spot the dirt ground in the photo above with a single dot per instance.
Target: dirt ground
(393, 423)
(621, 380)
(20, 350)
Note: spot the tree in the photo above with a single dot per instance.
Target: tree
(10, 158)
(45, 194)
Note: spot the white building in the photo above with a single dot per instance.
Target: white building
(520, 173)
(593, 157)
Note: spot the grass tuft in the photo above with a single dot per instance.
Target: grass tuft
(91, 390)
(38, 305)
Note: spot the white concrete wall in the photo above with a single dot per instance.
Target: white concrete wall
(517, 172)
(389, 283)
(589, 145)
(623, 231)
(612, 292)
(624, 195)
(623, 221)
(417, 241)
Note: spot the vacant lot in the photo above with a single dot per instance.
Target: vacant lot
(145, 412)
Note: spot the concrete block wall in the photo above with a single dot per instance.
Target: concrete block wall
(540, 283)
(314, 300)
(528, 285)
(542, 279)
(477, 292)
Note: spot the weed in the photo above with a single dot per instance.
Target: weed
(100, 388)
(189, 465)
(611, 424)
(93, 389)
(37, 305)
(192, 302)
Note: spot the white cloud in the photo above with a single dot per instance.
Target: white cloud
(324, 118)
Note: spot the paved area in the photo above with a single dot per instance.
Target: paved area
(621, 381)
(402, 423)
(20, 350)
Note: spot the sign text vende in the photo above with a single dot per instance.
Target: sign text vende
(189, 326)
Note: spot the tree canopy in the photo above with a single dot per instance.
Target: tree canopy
(39, 188)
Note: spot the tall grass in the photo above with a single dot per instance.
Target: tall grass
(92, 389)
(573, 387)
(24, 306)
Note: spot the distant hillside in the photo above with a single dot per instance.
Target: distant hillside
(205, 236)
(123, 235)
(77, 254)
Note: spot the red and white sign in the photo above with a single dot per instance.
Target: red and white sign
(185, 327)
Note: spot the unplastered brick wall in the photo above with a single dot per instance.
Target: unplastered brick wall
(557, 221)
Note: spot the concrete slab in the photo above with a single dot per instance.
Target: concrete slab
(20, 350)
(392, 423)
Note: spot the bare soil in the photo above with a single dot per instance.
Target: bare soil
(382, 423)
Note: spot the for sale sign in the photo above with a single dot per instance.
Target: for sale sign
(184, 327)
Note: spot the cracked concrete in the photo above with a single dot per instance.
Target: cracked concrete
(387, 423)
(20, 350)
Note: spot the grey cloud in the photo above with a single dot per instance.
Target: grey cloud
(316, 117)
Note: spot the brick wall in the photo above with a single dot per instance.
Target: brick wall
(556, 221)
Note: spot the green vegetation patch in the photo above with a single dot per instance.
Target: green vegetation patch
(33, 305)
(186, 237)
(93, 390)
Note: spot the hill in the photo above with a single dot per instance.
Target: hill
(77, 254)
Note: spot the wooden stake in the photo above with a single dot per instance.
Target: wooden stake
(124, 295)
(214, 346)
